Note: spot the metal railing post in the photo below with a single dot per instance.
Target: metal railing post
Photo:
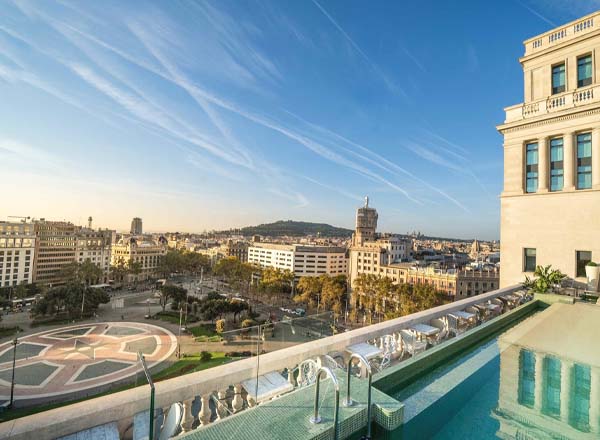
(315, 418)
(348, 400)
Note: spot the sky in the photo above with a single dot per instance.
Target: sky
(209, 115)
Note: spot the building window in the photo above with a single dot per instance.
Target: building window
(529, 255)
(584, 161)
(583, 258)
(527, 378)
(584, 71)
(556, 165)
(579, 410)
(558, 78)
(551, 396)
(531, 168)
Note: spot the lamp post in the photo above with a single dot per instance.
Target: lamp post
(179, 334)
(12, 381)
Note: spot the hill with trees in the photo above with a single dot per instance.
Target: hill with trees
(296, 229)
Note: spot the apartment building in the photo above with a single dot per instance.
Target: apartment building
(17, 253)
(95, 246)
(147, 252)
(55, 248)
(302, 260)
(383, 256)
(370, 253)
(136, 226)
(550, 204)
(238, 249)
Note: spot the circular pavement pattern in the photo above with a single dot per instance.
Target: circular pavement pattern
(81, 357)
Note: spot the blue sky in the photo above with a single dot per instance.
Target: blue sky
(209, 115)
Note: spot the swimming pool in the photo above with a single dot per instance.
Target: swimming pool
(533, 381)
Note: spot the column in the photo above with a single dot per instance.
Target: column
(596, 158)
(565, 389)
(222, 408)
(543, 164)
(539, 381)
(595, 400)
(291, 379)
(188, 419)
(205, 412)
(238, 402)
(569, 162)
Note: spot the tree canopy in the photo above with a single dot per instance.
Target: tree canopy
(68, 299)
(379, 297)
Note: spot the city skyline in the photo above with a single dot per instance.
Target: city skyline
(301, 113)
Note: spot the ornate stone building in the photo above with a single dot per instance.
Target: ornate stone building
(550, 205)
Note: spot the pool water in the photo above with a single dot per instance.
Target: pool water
(502, 389)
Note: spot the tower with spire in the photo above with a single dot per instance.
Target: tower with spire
(366, 224)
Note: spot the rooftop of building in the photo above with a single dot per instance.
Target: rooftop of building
(561, 36)
(553, 332)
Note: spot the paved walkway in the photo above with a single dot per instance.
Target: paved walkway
(70, 359)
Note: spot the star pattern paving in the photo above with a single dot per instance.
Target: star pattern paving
(66, 354)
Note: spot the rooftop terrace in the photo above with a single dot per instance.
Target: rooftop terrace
(243, 393)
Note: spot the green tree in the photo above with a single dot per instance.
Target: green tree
(276, 282)
(172, 262)
(82, 273)
(333, 293)
(194, 262)
(169, 291)
(68, 299)
(21, 291)
(118, 270)
(309, 291)
(135, 268)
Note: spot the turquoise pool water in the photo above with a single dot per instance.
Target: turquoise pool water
(501, 390)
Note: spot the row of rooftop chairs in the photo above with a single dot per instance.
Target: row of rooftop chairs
(380, 352)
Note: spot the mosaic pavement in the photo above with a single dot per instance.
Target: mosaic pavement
(81, 357)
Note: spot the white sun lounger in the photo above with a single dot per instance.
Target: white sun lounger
(269, 385)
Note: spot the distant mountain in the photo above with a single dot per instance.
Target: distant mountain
(296, 229)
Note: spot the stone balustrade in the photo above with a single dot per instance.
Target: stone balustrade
(562, 34)
(551, 104)
(214, 394)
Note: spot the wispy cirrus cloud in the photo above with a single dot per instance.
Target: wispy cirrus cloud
(391, 85)
(536, 13)
(161, 51)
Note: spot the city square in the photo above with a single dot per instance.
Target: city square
(79, 360)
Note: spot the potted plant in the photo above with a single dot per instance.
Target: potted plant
(591, 272)
(545, 279)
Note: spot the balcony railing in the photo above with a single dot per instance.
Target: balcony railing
(564, 33)
(553, 104)
(214, 394)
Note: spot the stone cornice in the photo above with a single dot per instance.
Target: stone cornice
(524, 124)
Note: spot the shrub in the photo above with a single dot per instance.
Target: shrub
(205, 356)
(220, 326)
(235, 354)
(546, 277)
(591, 264)
(248, 323)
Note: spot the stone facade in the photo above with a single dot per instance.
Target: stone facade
(550, 205)
(147, 252)
(17, 253)
(55, 248)
(302, 260)
(95, 246)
